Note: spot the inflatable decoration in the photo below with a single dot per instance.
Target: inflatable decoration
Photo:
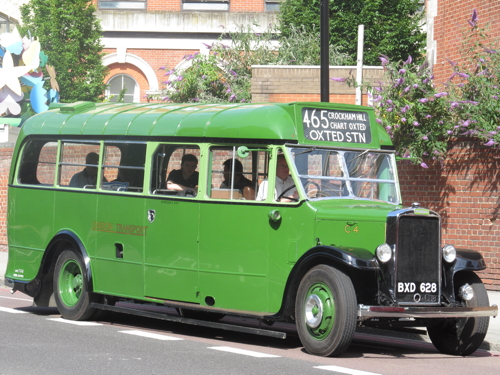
(21, 76)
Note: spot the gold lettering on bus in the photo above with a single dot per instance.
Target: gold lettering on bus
(348, 229)
(133, 230)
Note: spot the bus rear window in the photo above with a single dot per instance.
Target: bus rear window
(38, 163)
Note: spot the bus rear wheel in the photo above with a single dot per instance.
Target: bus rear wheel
(71, 291)
(325, 311)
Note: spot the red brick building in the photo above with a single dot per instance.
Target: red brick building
(140, 36)
(446, 22)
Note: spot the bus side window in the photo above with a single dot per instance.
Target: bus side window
(78, 164)
(170, 176)
(38, 164)
(249, 172)
(123, 167)
(224, 183)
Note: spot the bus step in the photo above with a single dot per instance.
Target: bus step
(196, 322)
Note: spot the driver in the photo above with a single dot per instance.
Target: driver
(284, 183)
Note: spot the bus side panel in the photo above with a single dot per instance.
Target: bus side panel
(120, 232)
(234, 255)
(75, 211)
(171, 258)
(30, 230)
(293, 235)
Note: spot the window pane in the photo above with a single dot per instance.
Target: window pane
(328, 173)
(115, 85)
(272, 7)
(167, 166)
(47, 164)
(78, 165)
(129, 86)
(124, 4)
(228, 181)
(119, 83)
(123, 167)
(368, 165)
(38, 164)
(205, 6)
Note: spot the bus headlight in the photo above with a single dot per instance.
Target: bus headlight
(449, 253)
(384, 253)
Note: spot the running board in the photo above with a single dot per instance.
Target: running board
(195, 322)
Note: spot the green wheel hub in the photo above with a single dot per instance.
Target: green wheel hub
(319, 309)
(70, 283)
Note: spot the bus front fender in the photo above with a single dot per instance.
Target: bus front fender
(358, 264)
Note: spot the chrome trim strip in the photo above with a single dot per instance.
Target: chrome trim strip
(364, 312)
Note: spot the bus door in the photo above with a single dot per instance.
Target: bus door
(234, 232)
(120, 227)
(171, 258)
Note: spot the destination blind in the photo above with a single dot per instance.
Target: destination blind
(336, 126)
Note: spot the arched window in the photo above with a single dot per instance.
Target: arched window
(123, 85)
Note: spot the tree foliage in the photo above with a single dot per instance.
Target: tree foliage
(70, 34)
(392, 27)
(224, 74)
(421, 117)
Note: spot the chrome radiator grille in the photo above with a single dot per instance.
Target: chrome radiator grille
(418, 260)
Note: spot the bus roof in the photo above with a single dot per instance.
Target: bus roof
(266, 121)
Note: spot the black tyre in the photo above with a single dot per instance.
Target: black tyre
(325, 311)
(70, 287)
(462, 336)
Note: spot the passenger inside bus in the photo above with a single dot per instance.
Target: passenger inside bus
(87, 177)
(243, 184)
(185, 178)
(240, 182)
(284, 184)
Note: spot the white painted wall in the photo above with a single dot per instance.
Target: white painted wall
(11, 8)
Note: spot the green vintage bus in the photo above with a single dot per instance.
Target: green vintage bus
(316, 233)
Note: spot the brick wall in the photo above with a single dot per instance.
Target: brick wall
(464, 191)
(5, 159)
(175, 5)
(246, 5)
(451, 21)
(165, 5)
(294, 83)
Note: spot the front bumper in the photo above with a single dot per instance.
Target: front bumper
(368, 312)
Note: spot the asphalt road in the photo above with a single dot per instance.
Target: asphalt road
(37, 341)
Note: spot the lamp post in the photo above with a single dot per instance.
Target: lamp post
(324, 51)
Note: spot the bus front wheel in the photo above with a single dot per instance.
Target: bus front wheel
(325, 311)
(70, 287)
(462, 336)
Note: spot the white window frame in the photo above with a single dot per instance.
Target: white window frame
(122, 4)
(205, 5)
(137, 90)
